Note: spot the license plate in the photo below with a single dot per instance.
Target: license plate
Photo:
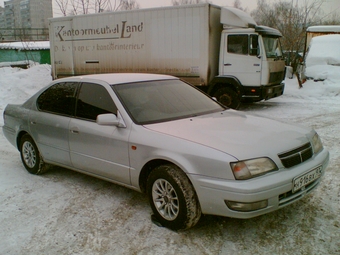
(303, 180)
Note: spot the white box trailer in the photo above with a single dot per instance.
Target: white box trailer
(190, 42)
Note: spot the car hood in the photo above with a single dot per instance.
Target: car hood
(237, 134)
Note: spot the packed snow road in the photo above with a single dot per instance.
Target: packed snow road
(64, 212)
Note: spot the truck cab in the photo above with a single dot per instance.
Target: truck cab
(251, 65)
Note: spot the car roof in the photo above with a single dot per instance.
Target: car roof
(120, 78)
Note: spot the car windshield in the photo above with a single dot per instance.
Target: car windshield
(272, 47)
(164, 100)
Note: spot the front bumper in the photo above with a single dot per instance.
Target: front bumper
(275, 188)
(255, 94)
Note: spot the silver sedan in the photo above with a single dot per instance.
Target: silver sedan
(159, 135)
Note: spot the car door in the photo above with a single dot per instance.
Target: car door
(49, 126)
(241, 59)
(99, 150)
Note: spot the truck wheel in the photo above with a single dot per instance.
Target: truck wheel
(172, 198)
(227, 97)
(30, 156)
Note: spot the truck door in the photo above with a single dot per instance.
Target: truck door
(241, 58)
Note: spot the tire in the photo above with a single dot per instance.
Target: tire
(228, 97)
(172, 198)
(30, 156)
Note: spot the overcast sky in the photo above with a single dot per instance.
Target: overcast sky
(329, 5)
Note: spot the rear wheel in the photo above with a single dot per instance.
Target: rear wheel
(30, 156)
(172, 198)
(228, 97)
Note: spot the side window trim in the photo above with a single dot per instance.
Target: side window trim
(52, 100)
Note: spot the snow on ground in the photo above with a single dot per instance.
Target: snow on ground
(64, 212)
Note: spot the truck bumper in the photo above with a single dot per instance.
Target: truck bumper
(255, 94)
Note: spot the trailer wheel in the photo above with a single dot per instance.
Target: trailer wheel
(228, 97)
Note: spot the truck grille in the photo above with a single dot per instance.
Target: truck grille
(296, 156)
(276, 77)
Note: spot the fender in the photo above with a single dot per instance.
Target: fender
(228, 81)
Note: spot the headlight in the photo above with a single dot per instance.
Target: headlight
(317, 144)
(253, 167)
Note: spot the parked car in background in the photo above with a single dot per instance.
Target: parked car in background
(323, 57)
(159, 135)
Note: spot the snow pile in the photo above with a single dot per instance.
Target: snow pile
(323, 58)
(17, 85)
(18, 63)
(43, 45)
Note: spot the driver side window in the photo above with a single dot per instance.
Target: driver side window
(93, 100)
(243, 44)
(238, 44)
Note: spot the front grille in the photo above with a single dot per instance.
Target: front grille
(276, 77)
(296, 156)
(290, 197)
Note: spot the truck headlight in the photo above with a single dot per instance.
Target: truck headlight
(247, 169)
(317, 144)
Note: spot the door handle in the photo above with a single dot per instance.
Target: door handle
(74, 130)
(228, 64)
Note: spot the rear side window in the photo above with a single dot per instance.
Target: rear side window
(93, 100)
(59, 99)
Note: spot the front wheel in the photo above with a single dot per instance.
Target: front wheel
(227, 97)
(30, 156)
(172, 198)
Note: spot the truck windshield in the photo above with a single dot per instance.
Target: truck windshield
(272, 47)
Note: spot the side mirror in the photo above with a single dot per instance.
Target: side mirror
(109, 119)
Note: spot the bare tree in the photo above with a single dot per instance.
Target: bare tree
(291, 19)
(63, 6)
(74, 7)
(129, 5)
(77, 7)
(237, 4)
(102, 5)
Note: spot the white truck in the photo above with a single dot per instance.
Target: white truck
(221, 50)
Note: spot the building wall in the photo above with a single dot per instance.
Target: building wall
(2, 17)
(27, 13)
(11, 55)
